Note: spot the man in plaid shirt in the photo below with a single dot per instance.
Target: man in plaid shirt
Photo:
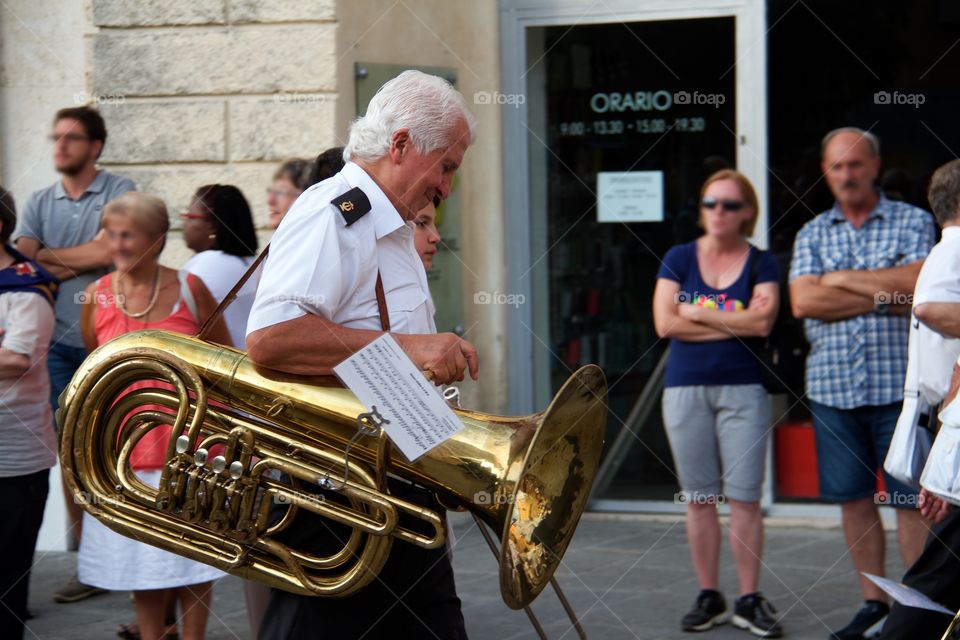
(851, 279)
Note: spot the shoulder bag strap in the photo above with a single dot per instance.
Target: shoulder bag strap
(230, 297)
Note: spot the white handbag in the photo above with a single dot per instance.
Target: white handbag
(911, 443)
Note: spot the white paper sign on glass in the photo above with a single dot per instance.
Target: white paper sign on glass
(630, 196)
(385, 380)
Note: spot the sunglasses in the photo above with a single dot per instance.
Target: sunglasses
(726, 205)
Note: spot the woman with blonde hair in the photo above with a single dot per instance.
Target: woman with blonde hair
(714, 296)
(143, 294)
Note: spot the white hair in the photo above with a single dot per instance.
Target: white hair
(871, 138)
(427, 106)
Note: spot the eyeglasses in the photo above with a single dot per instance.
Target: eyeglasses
(193, 216)
(726, 205)
(282, 193)
(70, 138)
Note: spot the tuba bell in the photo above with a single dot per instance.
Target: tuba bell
(244, 443)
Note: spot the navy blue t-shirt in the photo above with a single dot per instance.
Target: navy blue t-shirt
(717, 362)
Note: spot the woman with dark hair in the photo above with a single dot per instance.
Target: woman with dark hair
(218, 225)
(327, 164)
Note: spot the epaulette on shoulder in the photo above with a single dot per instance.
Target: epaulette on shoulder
(353, 205)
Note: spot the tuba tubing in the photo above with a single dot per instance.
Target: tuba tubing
(243, 439)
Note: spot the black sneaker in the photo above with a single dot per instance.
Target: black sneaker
(753, 613)
(866, 624)
(709, 610)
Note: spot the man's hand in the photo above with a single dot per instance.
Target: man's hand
(444, 355)
(931, 507)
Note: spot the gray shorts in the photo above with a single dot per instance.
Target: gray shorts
(718, 433)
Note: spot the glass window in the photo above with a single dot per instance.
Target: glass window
(639, 114)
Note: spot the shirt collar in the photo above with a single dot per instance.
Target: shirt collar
(386, 219)
(96, 186)
(950, 232)
(879, 211)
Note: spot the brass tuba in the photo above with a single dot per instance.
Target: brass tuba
(243, 440)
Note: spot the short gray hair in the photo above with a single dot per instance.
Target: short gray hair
(944, 192)
(428, 106)
(866, 135)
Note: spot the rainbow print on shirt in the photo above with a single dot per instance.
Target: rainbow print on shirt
(719, 301)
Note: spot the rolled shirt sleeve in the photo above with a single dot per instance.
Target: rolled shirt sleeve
(295, 281)
(29, 325)
(806, 260)
(29, 221)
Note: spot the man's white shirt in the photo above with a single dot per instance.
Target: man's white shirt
(319, 265)
(939, 281)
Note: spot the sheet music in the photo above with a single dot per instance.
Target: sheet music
(386, 381)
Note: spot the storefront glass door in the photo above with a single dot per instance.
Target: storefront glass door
(624, 122)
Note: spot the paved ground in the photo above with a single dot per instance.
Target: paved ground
(627, 579)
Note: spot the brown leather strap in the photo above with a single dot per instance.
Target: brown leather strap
(382, 304)
(230, 297)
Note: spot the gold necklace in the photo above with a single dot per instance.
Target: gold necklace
(120, 297)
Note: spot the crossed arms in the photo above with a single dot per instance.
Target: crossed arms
(848, 293)
(68, 262)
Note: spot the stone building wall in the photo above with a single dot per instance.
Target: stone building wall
(203, 91)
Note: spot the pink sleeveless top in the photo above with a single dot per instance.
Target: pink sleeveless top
(110, 322)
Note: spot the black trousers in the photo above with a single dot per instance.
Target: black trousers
(413, 596)
(936, 574)
(22, 499)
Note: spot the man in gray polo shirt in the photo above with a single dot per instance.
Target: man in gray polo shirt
(60, 229)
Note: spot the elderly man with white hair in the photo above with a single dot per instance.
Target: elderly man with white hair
(342, 270)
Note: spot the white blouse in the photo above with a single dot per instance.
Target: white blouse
(219, 271)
